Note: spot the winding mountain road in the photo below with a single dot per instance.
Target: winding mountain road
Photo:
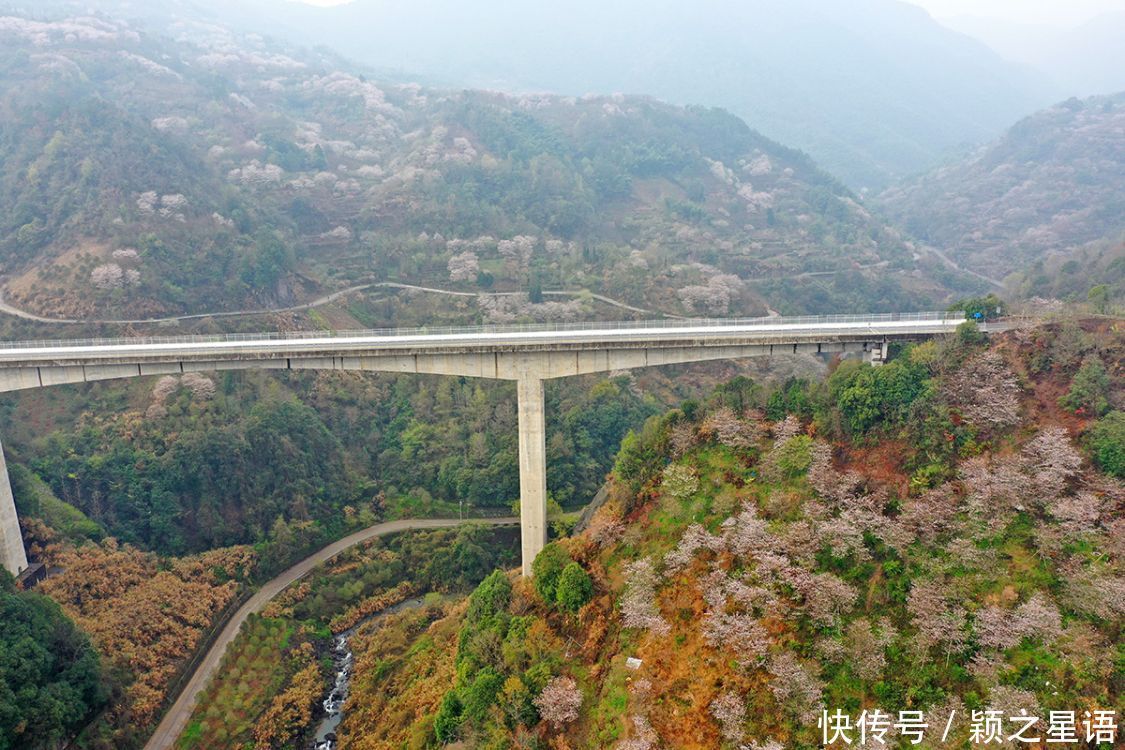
(10, 309)
(956, 267)
(178, 715)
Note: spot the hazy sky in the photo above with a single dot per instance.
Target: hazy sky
(1069, 12)
(1065, 12)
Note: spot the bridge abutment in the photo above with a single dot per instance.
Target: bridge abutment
(12, 554)
(533, 469)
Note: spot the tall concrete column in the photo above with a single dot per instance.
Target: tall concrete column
(533, 470)
(12, 554)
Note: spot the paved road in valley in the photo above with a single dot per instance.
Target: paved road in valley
(178, 715)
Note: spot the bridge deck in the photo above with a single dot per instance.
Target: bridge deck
(599, 335)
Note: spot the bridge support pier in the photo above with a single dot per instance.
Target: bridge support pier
(533, 469)
(12, 554)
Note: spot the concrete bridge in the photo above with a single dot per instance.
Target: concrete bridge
(526, 354)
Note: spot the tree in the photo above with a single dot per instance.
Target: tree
(481, 694)
(447, 722)
(728, 429)
(794, 456)
(1098, 297)
(970, 334)
(1089, 391)
(50, 676)
(490, 598)
(985, 391)
(535, 290)
(980, 308)
(680, 482)
(546, 569)
(559, 702)
(638, 601)
(464, 266)
(574, 588)
(1107, 442)
(730, 711)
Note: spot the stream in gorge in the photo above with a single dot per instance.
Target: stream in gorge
(343, 660)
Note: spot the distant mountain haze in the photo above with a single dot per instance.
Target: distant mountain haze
(872, 89)
(1051, 186)
(1084, 60)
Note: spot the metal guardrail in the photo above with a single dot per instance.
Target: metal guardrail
(640, 325)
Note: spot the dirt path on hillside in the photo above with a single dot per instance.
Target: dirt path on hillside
(178, 715)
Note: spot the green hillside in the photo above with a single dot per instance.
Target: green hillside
(143, 176)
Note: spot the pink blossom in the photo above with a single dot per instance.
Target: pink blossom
(559, 702)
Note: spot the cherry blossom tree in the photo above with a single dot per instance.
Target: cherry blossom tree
(730, 711)
(745, 532)
(638, 600)
(826, 597)
(679, 482)
(1078, 514)
(1038, 617)
(740, 634)
(108, 276)
(695, 538)
(985, 392)
(644, 736)
(770, 744)
(682, 438)
(994, 490)
(464, 266)
(994, 628)
(714, 297)
(936, 620)
(517, 253)
(1094, 591)
(201, 386)
(931, 514)
(559, 702)
(724, 426)
(796, 685)
(865, 648)
(1051, 460)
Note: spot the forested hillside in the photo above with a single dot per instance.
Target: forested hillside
(1046, 197)
(145, 176)
(872, 89)
(939, 534)
(187, 464)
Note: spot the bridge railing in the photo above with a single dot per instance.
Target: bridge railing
(576, 327)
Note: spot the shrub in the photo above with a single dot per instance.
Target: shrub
(794, 456)
(547, 568)
(490, 597)
(481, 694)
(969, 334)
(574, 588)
(1089, 391)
